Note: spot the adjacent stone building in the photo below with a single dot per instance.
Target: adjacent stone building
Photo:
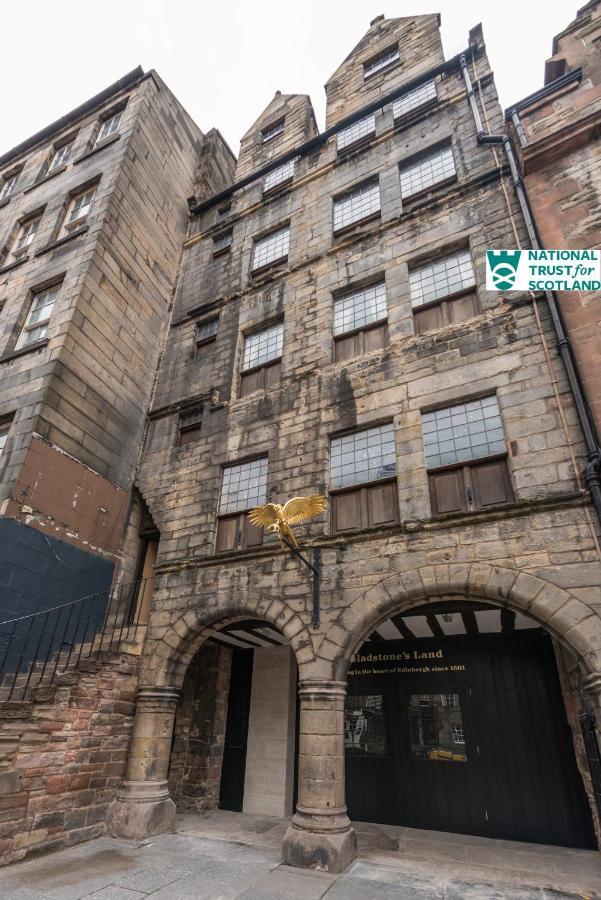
(432, 657)
(332, 334)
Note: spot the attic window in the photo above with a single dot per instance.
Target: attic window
(382, 61)
(272, 131)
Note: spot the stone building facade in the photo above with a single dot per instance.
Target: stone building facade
(332, 334)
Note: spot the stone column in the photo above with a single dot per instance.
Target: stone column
(321, 836)
(143, 806)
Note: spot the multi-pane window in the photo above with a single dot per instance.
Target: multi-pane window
(223, 242)
(363, 479)
(36, 324)
(7, 185)
(414, 99)
(356, 205)
(244, 485)
(261, 357)
(272, 131)
(4, 430)
(446, 287)
(80, 207)
(358, 131)
(382, 61)
(190, 425)
(271, 248)
(281, 175)
(455, 438)
(207, 330)
(109, 126)
(59, 157)
(421, 174)
(360, 321)
(26, 235)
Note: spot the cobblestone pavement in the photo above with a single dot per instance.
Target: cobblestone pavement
(241, 859)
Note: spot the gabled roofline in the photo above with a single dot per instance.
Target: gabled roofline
(545, 91)
(132, 78)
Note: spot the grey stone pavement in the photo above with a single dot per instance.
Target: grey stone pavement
(223, 856)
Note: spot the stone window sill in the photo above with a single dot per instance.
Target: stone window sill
(356, 226)
(270, 267)
(111, 139)
(55, 244)
(425, 194)
(22, 351)
(14, 265)
(46, 178)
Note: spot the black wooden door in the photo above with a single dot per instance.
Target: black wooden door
(233, 766)
(465, 734)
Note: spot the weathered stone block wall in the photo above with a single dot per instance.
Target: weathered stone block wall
(199, 733)
(299, 126)
(63, 756)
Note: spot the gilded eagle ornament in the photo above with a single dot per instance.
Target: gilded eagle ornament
(278, 519)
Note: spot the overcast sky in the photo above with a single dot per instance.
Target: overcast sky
(224, 60)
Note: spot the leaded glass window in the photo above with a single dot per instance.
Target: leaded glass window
(270, 248)
(356, 132)
(382, 61)
(280, 175)
(428, 170)
(463, 432)
(360, 308)
(263, 346)
(358, 204)
(272, 131)
(414, 99)
(223, 241)
(441, 278)
(362, 457)
(244, 485)
(207, 330)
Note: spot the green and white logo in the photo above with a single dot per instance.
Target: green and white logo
(543, 270)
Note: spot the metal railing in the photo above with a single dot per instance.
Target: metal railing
(36, 649)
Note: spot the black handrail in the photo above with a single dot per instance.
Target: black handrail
(40, 647)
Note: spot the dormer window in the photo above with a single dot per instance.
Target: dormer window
(382, 61)
(272, 131)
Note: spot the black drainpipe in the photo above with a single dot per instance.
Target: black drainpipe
(592, 471)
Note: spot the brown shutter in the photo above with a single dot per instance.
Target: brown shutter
(462, 308)
(376, 338)
(382, 503)
(189, 435)
(491, 483)
(428, 319)
(346, 511)
(344, 348)
(447, 492)
(253, 536)
(227, 533)
(273, 374)
(251, 381)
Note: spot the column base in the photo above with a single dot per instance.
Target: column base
(140, 810)
(330, 845)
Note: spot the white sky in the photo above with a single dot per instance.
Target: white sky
(224, 60)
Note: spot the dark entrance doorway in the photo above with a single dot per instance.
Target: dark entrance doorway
(233, 766)
(465, 734)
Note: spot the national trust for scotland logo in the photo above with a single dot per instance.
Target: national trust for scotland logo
(543, 270)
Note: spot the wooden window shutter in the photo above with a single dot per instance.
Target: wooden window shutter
(227, 534)
(382, 504)
(491, 483)
(447, 492)
(346, 511)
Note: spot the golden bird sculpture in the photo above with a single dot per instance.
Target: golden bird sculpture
(278, 519)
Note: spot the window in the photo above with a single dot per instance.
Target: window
(36, 324)
(261, 366)
(387, 58)
(418, 176)
(279, 176)
(272, 131)
(207, 331)
(109, 126)
(421, 95)
(26, 235)
(7, 185)
(272, 248)
(244, 485)
(436, 728)
(79, 208)
(360, 322)
(363, 479)
(223, 242)
(190, 423)
(443, 292)
(224, 211)
(358, 132)
(364, 725)
(59, 157)
(456, 439)
(4, 430)
(357, 205)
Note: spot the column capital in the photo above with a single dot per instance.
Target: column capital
(157, 698)
(321, 689)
